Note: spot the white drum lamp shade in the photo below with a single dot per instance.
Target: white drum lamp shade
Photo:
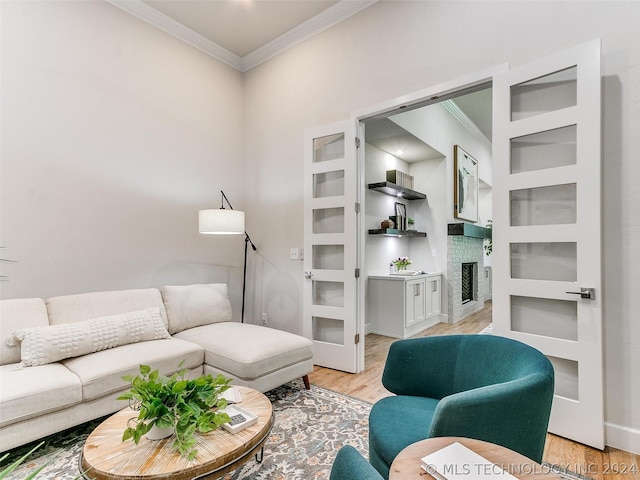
(221, 221)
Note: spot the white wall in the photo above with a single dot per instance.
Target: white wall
(380, 250)
(114, 135)
(352, 66)
(435, 126)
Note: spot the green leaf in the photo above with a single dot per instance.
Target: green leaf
(191, 430)
(179, 386)
(128, 433)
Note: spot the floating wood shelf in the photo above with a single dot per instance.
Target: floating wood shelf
(394, 232)
(397, 191)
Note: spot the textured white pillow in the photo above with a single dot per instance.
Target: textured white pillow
(42, 345)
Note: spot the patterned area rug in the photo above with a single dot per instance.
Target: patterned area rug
(310, 428)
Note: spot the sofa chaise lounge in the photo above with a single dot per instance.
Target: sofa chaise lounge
(62, 360)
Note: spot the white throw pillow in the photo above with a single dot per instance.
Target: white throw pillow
(42, 345)
(191, 306)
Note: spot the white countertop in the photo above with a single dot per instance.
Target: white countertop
(402, 278)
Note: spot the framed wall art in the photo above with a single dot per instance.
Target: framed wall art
(466, 184)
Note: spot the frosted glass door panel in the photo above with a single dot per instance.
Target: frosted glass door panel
(328, 330)
(328, 294)
(555, 205)
(544, 94)
(566, 377)
(545, 317)
(544, 261)
(328, 257)
(548, 149)
(328, 220)
(328, 148)
(328, 184)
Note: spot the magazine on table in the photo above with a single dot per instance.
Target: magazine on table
(457, 462)
(232, 395)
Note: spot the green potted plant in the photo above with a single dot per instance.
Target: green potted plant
(402, 263)
(182, 405)
(411, 223)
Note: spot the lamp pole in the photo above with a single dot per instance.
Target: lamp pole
(247, 242)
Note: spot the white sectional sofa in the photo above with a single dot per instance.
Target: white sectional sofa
(62, 360)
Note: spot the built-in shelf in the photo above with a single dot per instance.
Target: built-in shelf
(397, 191)
(394, 232)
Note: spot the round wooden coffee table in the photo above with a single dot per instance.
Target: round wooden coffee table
(106, 457)
(407, 465)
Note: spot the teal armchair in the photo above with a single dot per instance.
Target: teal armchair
(485, 387)
(350, 465)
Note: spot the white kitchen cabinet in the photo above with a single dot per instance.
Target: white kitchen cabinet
(401, 306)
(434, 294)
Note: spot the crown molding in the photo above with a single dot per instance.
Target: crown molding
(466, 122)
(167, 24)
(324, 20)
(315, 25)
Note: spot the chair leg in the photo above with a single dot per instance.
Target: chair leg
(307, 385)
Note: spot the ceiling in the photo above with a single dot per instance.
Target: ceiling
(390, 137)
(477, 107)
(472, 110)
(241, 26)
(243, 33)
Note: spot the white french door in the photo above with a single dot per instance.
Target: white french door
(547, 227)
(330, 239)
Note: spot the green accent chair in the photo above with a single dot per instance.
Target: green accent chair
(350, 465)
(485, 387)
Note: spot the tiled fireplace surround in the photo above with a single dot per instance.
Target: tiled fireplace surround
(462, 249)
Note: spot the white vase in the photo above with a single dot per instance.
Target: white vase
(157, 433)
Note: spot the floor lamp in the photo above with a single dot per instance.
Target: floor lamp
(227, 222)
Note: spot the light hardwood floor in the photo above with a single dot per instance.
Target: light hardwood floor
(609, 464)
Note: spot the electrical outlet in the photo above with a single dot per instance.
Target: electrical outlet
(433, 252)
(263, 320)
(294, 254)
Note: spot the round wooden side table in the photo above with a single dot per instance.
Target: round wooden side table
(407, 465)
(106, 457)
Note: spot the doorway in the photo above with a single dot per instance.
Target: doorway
(413, 147)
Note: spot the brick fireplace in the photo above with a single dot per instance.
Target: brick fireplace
(465, 272)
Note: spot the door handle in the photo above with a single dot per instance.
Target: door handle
(308, 275)
(585, 292)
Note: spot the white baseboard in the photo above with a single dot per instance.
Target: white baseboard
(623, 438)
